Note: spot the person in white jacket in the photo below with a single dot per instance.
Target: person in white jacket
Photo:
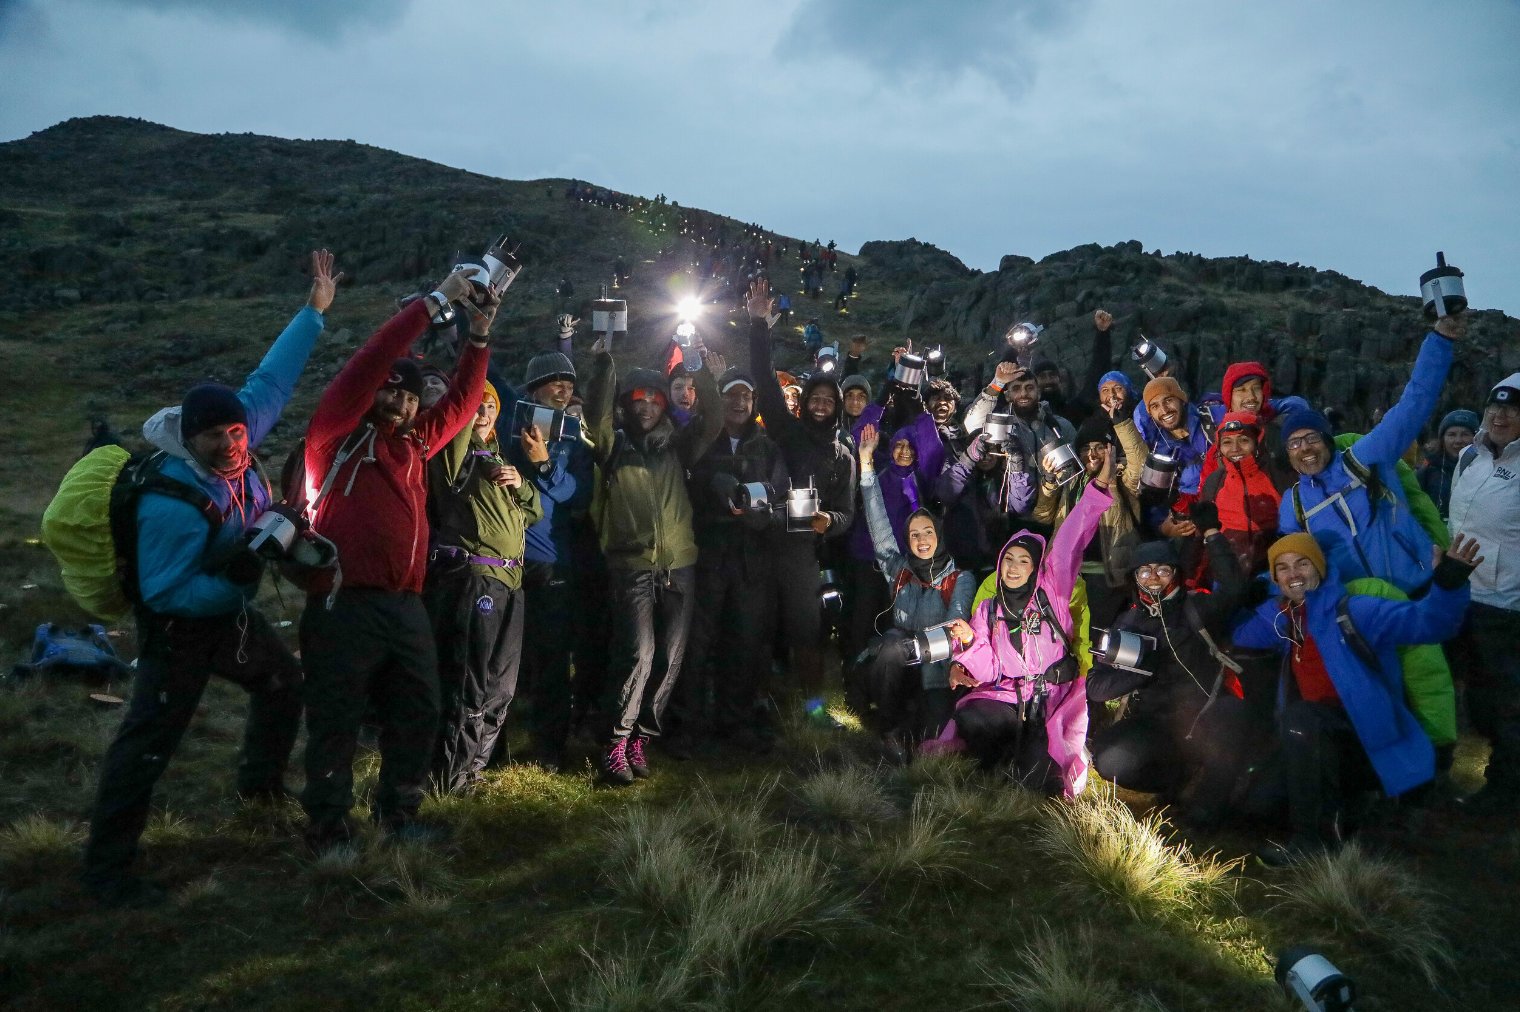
(1485, 504)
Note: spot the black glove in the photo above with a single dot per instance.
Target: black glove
(1205, 516)
(244, 568)
(1452, 573)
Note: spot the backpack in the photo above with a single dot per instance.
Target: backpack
(946, 590)
(91, 525)
(1361, 477)
(86, 651)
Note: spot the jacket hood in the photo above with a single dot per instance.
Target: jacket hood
(940, 564)
(635, 379)
(833, 424)
(162, 433)
(1238, 371)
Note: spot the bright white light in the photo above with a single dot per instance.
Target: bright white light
(688, 308)
(685, 329)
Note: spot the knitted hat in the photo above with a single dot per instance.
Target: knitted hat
(207, 406)
(1095, 429)
(1297, 419)
(1298, 543)
(432, 370)
(1506, 391)
(732, 377)
(1154, 553)
(546, 367)
(1044, 365)
(405, 375)
(1118, 377)
(1460, 418)
(490, 394)
(1235, 421)
(1165, 386)
(855, 381)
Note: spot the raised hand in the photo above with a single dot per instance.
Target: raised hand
(567, 324)
(1452, 327)
(1464, 550)
(1102, 319)
(858, 345)
(482, 313)
(869, 438)
(1005, 372)
(456, 287)
(759, 301)
(324, 284)
(716, 363)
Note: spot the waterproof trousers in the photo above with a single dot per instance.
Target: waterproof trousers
(478, 627)
(373, 646)
(726, 658)
(888, 694)
(549, 610)
(1492, 638)
(177, 657)
(996, 734)
(798, 613)
(649, 608)
(1324, 763)
(1202, 754)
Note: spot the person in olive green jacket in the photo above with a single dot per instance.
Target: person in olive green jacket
(644, 521)
(481, 509)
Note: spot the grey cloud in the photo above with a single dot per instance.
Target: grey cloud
(321, 19)
(898, 39)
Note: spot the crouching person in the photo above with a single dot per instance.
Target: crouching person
(482, 508)
(192, 587)
(902, 703)
(646, 533)
(1028, 700)
(1343, 721)
(368, 639)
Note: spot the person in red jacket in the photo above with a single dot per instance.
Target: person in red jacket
(367, 638)
(1242, 490)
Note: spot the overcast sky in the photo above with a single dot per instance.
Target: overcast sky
(1350, 135)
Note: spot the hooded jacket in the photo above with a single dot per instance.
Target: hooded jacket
(812, 451)
(918, 604)
(1248, 502)
(1361, 537)
(172, 553)
(475, 514)
(645, 518)
(1399, 749)
(1031, 433)
(903, 489)
(1011, 675)
(1485, 503)
(722, 538)
(1437, 472)
(979, 505)
(376, 511)
(1269, 442)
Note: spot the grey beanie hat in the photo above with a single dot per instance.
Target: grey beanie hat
(855, 381)
(551, 365)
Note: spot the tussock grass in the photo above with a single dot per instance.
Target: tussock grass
(1128, 859)
(659, 866)
(633, 981)
(1374, 899)
(740, 821)
(167, 829)
(37, 844)
(928, 845)
(982, 806)
(1056, 972)
(845, 798)
(949, 770)
(199, 890)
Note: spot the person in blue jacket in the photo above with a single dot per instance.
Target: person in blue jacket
(194, 603)
(561, 469)
(1343, 722)
(1365, 525)
(1171, 424)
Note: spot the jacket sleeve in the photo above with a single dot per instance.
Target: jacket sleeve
(1434, 618)
(527, 496)
(1401, 426)
(268, 388)
(779, 422)
(1134, 453)
(454, 410)
(843, 495)
(1063, 558)
(1104, 682)
(1257, 630)
(976, 414)
(952, 482)
(1047, 504)
(883, 542)
(171, 556)
(697, 437)
(351, 393)
(1216, 609)
(980, 658)
(928, 448)
(454, 453)
(601, 392)
(961, 597)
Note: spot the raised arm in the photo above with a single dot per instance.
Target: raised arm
(1401, 426)
(601, 393)
(268, 388)
(883, 540)
(696, 438)
(768, 396)
(1064, 557)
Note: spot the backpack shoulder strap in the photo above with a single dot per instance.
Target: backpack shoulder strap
(900, 581)
(1467, 456)
(947, 589)
(1043, 603)
(138, 477)
(1353, 636)
(1195, 622)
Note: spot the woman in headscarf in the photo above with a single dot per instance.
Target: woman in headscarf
(904, 703)
(1028, 701)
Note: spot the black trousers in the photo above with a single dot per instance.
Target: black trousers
(372, 646)
(994, 734)
(1324, 763)
(592, 689)
(888, 694)
(178, 656)
(649, 607)
(548, 601)
(728, 653)
(478, 626)
(1491, 638)
(1169, 753)
(866, 595)
(798, 616)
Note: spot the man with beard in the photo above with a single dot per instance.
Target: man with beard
(645, 525)
(1036, 425)
(813, 451)
(368, 638)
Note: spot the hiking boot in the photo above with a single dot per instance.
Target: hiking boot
(323, 837)
(614, 763)
(638, 762)
(126, 892)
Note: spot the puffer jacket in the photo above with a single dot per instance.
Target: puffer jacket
(1485, 503)
(644, 514)
(1032, 433)
(1428, 687)
(1248, 504)
(917, 605)
(1374, 700)
(1361, 537)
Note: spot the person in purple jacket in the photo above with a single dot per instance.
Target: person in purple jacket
(1028, 700)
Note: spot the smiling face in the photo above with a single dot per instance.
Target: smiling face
(1113, 397)
(1236, 446)
(1294, 575)
(738, 407)
(923, 539)
(1015, 567)
(395, 407)
(1307, 452)
(646, 412)
(485, 416)
(855, 401)
(793, 399)
(902, 453)
(1456, 439)
(1246, 395)
(221, 447)
(821, 404)
(942, 409)
(434, 387)
(1024, 394)
(1166, 410)
(555, 394)
(1155, 579)
(1503, 424)
(683, 393)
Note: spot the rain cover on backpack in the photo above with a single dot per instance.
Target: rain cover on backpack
(76, 527)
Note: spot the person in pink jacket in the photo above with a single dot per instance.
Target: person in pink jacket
(1028, 701)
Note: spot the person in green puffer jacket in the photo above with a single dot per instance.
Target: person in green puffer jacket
(1427, 679)
(644, 521)
(481, 509)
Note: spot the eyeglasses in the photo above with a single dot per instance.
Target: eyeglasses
(1503, 411)
(1158, 572)
(1304, 442)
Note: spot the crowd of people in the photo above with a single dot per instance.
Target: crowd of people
(1217, 599)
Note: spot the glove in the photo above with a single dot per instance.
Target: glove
(244, 568)
(1205, 516)
(1452, 573)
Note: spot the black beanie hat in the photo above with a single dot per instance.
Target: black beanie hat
(1154, 553)
(1030, 542)
(405, 375)
(1095, 429)
(207, 406)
